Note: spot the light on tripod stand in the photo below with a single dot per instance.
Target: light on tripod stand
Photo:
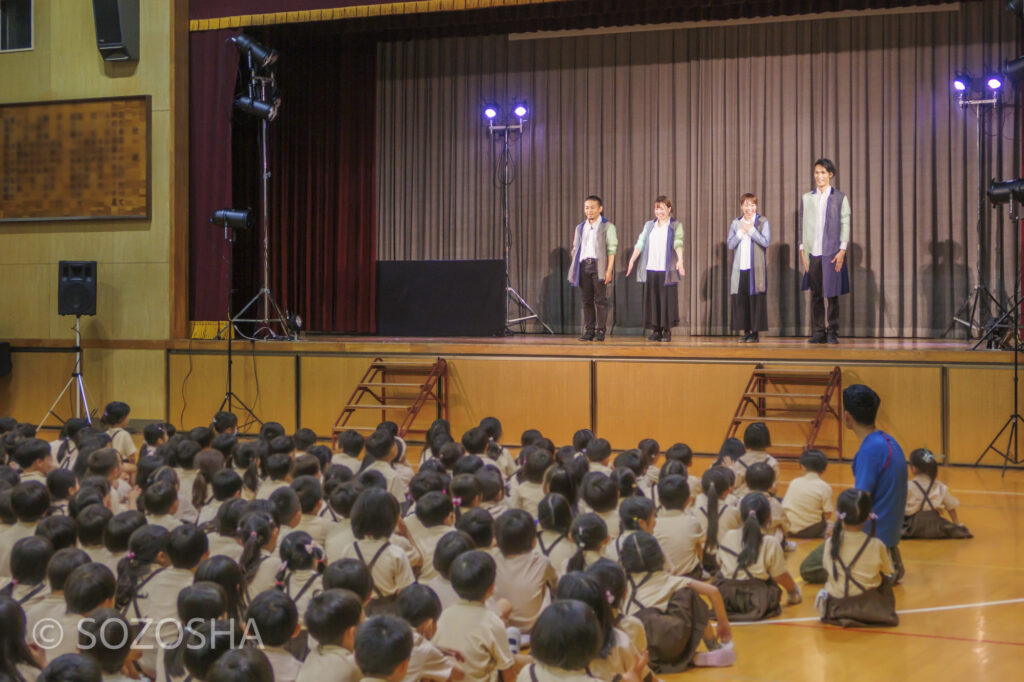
(1006, 191)
(239, 219)
(994, 82)
(1013, 69)
(491, 111)
(261, 54)
(520, 109)
(961, 82)
(267, 110)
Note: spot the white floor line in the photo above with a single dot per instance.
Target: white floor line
(930, 609)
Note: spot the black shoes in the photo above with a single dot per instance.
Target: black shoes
(655, 335)
(589, 335)
(832, 337)
(666, 335)
(817, 338)
(599, 336)
(752, 337)
(826, 337)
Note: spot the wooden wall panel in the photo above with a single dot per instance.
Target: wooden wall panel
(670, 402)
(980, 401)
(266, 384)
(132, 376)
(911, 409)
(327, 382)
(550, 395)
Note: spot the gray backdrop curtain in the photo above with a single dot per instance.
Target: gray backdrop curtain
(704, 115)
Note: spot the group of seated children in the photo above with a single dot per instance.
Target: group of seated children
(279, 559)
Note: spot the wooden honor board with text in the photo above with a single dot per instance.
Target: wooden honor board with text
(75, 160)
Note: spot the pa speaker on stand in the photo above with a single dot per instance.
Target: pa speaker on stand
(76, 295)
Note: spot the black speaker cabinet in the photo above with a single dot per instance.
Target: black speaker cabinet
(117, 29)
(76, 287)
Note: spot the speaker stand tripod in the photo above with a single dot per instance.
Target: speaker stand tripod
(76, 384)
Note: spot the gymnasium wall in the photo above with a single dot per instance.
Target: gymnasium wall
(138, 260)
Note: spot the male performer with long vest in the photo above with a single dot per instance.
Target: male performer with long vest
(594, 244)
(824, 235)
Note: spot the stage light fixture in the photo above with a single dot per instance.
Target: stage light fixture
(1017, 7)
(520, 109)
(1005, 191)
(239, 219)
(1013, 69)
(491, 111)
(994, 82)
(257, 107)
(961, 82)
(261, 54)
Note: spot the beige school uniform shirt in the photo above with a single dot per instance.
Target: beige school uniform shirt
(611, 519)
(34, 475)
(267, 488)
(348, 461)
(187, 512)
(779, 525)
(391, 571)
(527, 581)
(166, 520)
(506, 463)
(286, 667)
(52, 605)
(728, 516)
(740, 466)
(266, 575)
(427, 661)
(70, 457)
(10, 536)
(681, 536)
(316, 527)
(770, 563)
(209, 512)
(495, 507)
(396, 486)
(652, 590)
(528, 496)
(29, 595)
(158, 599)
(427, 541)
(868, 570)
(556, 547)
(939, 495)
(599, 468)
(589, 557)
(618, 661)
(329, 663)
(479, 635)
(339, 537)
(229, 547)
(122, 441)
(303, 585)
(808, 500)
(68, 644)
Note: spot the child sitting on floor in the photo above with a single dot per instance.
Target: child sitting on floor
(808, 500)
(927, 498)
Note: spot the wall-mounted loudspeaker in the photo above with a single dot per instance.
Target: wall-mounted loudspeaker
(117, 29)
(76, 287)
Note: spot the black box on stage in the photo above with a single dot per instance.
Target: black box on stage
(441, 298)
(76, 287)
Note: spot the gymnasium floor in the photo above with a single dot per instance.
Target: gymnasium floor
(961, 604)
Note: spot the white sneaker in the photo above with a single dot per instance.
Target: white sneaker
(794, 597)
(515, 638)
(721, 657)
(819, 602)
(788, 546)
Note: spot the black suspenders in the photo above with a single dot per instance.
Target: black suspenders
(372, 562)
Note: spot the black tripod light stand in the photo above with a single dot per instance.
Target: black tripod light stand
(232, 220)
(1001, 192)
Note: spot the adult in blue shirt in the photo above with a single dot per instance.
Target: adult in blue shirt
(879, 467)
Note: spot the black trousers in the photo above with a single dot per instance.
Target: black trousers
(594, 293)
(818, 327)
(749, 311)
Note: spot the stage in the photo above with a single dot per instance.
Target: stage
(935, 393)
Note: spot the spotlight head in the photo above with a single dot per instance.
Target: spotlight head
(239, 219)
(994, 82)
(491, 111)
(1014, 70)
(1017, 7)
(261, 54)
(1003, 192)
(520, 109)
(961, 82)
(257, 107)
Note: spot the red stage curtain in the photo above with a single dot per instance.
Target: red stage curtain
(213, 70)
(322, 187)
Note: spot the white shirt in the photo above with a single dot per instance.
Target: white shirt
(656, 247)
(744, 251)
(822, 210)
(588, 245)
